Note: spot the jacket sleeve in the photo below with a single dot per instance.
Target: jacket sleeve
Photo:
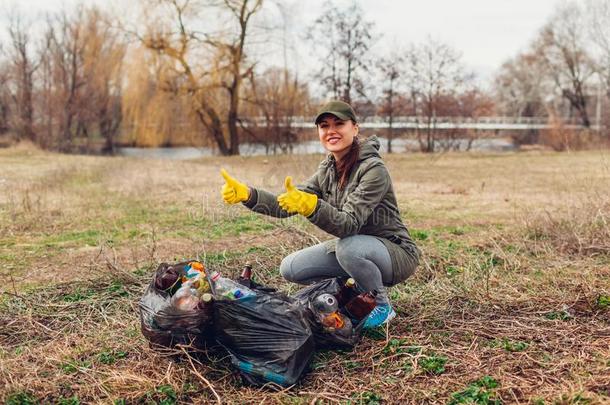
(359, 205)
(264, 202)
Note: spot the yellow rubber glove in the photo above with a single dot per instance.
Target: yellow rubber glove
(233, 191)
(295, 200)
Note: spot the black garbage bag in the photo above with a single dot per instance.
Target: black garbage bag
(164, 325)
(267, 336)
(324, 338)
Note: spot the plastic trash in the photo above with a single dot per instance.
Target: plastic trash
(227, 288)
(329, 337)
(267, 336)
(165, 325)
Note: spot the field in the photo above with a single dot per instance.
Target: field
(511, 303)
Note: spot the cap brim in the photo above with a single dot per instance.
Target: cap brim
(335, 113)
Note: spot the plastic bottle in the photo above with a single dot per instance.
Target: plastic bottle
(261, 372)
(246, 276)
(185, 298)
(346, 293)
(325, 304)
(227, 288)
(360, 306)
(202, 285)
(326, 308)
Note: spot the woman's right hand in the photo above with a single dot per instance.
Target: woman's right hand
(233, 191)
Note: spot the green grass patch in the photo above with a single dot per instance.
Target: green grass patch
(602, 301)
(562, 315)
(69, 401)
(74, 366)
(80, 294)
(250, 222)
(350, 364)
(163, 395)
(578, 398)
(89, 237)
(433, 364)
(21, 398)
(396, 346)
(109, 356)
(419, 234)
(368, 398)
(453, 270)
(117, 288)
(480, 391)
(510, 345)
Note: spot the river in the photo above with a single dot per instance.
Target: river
(308, 147)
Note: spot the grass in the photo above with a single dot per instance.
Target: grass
(510, 303)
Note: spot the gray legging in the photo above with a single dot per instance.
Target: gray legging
(362, 257)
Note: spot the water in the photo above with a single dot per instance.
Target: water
(304, 148)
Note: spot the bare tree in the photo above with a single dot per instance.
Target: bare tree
(563, 51)
(66, 45)
(278, 96)
(598, 21)
(225, 67)
(435, 74)
(4, 98)
(520, 88)
(22, 68)
(343, 38)
(79, 83)
(391, 69)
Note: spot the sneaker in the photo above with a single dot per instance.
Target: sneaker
(381, 314)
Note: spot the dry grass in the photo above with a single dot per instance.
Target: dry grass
(511, 302)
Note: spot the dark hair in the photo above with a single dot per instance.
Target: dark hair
(347, 163)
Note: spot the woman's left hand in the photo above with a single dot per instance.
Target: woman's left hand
(295, 200)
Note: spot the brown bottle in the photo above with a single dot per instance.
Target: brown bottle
(360, 306)
(246, 276)
(346, 293)
(205, 304)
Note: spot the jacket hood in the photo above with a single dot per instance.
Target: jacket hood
(369, 148)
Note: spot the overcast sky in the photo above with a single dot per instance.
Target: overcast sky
(487, 32)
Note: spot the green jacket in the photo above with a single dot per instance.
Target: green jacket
(366, 206)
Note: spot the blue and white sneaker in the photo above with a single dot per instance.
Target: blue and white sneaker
(381, 314)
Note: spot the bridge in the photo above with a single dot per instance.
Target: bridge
(414, 122)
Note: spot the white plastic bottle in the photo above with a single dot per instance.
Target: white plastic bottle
(185, 298)
(227, 288)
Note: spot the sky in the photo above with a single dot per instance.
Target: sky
(486, 32)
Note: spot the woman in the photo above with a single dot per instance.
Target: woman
(351, 197)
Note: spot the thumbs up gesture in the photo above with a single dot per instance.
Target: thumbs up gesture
(295, 200)
(233, 191)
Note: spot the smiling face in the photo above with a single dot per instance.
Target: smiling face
(336, 135)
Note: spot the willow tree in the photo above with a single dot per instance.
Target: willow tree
(209, 66)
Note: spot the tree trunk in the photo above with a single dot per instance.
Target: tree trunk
(232, 116)
(215, 128)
